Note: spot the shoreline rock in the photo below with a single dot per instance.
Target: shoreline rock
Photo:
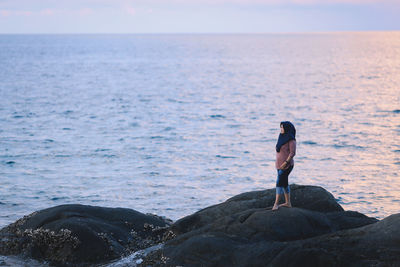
(81, 235)
(242, 231)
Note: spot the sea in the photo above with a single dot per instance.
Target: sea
(169, 124)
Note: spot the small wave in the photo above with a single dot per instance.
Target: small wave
(220, 169)
(134, 124)
(68, 112)
(174, 101)
(397, 111)
(234, 125)
(109, 156)
(217, 116)
(169, 129)
(156, 137)
(66, 129)
(370, 77)
(62, 156)
(57, 198)
(225, 157)
(11, 162)
(133, 259)
(102, 149)
(263, 140)
(259, 96)
(19, 261)
(339, 146)
(312, 143)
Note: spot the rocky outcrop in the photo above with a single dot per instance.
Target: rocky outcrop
(377, 244)
(312, 198)
(242, 231)
(81, 235)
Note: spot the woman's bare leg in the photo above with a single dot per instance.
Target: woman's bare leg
(287, 201)
(276, 206)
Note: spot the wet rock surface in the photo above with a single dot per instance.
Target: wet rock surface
(242, 231)
(74, 235)
(312, 198)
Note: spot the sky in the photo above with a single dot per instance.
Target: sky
(197, 16)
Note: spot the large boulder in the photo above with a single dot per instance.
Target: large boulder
(80, 235)
(377, 244)
(244, 231)
(312, 198)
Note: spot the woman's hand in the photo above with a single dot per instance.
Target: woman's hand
(283, 166)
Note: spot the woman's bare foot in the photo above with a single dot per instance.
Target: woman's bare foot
(288, 205)
(275, 207)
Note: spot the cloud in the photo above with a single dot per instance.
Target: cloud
(7, 13)
(131, 11)
(85, 11)
(47, 12)
(109, 3)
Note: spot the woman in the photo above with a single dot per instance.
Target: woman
(285, 151)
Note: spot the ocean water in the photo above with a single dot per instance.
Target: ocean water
(170, 124)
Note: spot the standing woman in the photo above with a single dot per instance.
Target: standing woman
(285, 151)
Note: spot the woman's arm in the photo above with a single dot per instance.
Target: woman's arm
(292, 153)
(292, 150)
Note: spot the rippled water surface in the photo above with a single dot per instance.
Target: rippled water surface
(169, 124)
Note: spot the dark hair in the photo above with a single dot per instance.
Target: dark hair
(289, 134)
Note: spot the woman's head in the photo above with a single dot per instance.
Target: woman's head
(288, 128)
(288, 132)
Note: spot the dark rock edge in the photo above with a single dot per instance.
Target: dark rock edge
(242, 231)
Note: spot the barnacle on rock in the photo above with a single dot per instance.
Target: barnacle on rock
(168, 235)
(154, 258)
(51, 240)
(108, 227)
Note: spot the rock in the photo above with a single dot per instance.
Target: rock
(316, 232)
(242, 231)
(283, 225)
(80, 235)
(309, 197)
(377, 244)
(223, 248)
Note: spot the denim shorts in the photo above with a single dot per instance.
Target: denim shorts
(282, 183)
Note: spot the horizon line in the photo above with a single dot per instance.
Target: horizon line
(187, 33)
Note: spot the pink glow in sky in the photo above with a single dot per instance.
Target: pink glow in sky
(159, 16)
